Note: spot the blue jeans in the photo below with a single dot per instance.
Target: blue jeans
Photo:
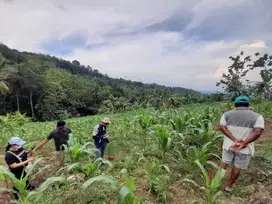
(100, 152)
(100, 143)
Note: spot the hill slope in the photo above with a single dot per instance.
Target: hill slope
(47, 87)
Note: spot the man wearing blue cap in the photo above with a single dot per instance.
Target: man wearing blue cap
(241, 127)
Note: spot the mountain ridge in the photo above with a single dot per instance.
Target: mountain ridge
(47, 87)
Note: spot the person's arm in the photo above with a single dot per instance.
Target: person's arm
(224, 129)
(254, 136)
(228, 133)
(257, 132)
(44, 142)
(16, 165)
(95, 131)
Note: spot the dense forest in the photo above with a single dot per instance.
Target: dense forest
(47, 88)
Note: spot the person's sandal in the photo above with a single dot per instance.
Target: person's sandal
(228, 189)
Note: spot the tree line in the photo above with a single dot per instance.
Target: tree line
(48, 88)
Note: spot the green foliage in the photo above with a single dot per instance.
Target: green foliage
(157, 181)
(10, 123)
(211, 187)
(100, 179)
(48, 88)
(24, 195)
(89, 169)
(192, 138)
(145, 122)
(75, 150)
(201, 154)
(164, 136)
(126, 193)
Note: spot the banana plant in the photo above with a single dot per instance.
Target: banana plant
(211, 187)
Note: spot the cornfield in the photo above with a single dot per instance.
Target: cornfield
(149, 148)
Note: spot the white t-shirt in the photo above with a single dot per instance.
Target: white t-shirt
(241, 123)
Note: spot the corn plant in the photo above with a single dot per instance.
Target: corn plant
(157, 181)
(100, 179)
(204, 134)
(180, 123)
(211, 187)
(145, 122)
(20, 184)
(201, 154)
(75, 150)
(126, 193)
(89, 169)
(164, 136)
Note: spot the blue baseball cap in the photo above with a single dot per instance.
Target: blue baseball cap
(16, 141)
(241, 99)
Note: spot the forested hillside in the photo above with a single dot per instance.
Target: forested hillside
(47, 88)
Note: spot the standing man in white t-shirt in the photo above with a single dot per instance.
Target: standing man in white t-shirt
(241, 127)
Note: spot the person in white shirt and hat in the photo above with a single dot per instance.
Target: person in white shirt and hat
(17, 159)
(100, 137)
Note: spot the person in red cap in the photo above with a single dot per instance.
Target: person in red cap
(241, 127)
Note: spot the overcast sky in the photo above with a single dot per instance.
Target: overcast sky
(172, 42)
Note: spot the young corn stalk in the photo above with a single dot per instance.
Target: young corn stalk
(157, 181)
(164, 136)
(126, 194)
(75, 150)
(211, 187)
(180, 123)
(100, 179)
(89, 169)
(145, 122)
(20, 184)
(201, 154)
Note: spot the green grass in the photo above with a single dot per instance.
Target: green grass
(131, 155)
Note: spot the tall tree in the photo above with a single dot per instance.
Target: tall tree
(264, 87)
(232, 82)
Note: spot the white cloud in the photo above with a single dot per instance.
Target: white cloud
(129, 50)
